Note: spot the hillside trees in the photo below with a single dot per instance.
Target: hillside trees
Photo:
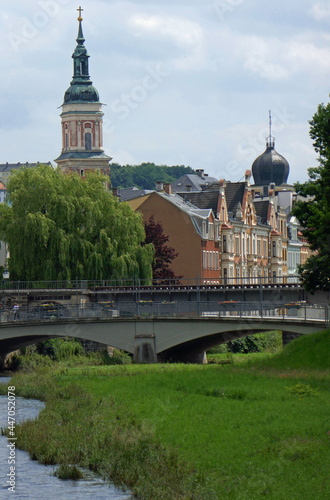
(314, 212)
(164, 254)
(144, 176)
(62, 227)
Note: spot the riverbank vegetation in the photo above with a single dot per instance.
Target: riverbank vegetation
(238, 431)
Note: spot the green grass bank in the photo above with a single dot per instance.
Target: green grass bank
(245, 430)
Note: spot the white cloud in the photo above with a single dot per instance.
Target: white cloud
(320, 13)
(224, 75)
(183, 32)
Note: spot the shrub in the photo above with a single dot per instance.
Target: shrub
(259, 342)
(65, 471)
(118, 358)
(60, 349)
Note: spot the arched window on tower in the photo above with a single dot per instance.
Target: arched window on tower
(88, 141)
(66, 141)
(84, 68)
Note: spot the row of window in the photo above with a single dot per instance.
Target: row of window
(211, 260)
(246, 245)
(87, 141)
(293, 260)
(253, 274)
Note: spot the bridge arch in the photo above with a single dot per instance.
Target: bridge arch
(180, 339)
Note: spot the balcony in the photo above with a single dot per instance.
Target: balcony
(227, 257)
(276, 261)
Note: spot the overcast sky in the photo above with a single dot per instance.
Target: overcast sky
(185, 82)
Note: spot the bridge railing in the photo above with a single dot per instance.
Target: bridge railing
(137, 284)
(168, 309)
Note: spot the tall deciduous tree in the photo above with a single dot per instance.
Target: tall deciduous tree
(144, 176)
(62, 227)
(314, 212)
(164, 254)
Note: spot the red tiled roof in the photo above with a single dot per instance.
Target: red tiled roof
(275, 233)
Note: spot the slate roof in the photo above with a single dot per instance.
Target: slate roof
(7, 167)
(196, 182)
(83, 155)
(202, 199)
(197, 215)
(234, 195)
(126, 194)
(262, 207)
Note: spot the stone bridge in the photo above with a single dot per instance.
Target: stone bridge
(151, 331)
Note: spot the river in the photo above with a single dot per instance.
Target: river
(34, 481)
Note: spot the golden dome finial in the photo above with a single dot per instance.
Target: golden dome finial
(80, 11)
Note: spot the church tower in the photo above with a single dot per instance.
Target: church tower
(82, 124)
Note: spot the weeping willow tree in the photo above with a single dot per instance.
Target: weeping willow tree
(61, 227)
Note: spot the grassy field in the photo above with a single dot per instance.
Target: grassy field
(246, 430)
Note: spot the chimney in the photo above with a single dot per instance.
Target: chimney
(222, 186)
(168, 188)
(247, 177)
(159, 186)
(200, 172)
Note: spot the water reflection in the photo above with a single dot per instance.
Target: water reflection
(35, 481)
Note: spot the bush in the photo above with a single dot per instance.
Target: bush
(118, 358)
(259, 342)
(60, 349)
(27, 359)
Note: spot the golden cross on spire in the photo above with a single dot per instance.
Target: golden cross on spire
(80, 11)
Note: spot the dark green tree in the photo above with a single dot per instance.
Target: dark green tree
(164, 254)
(144, 176)
(314, 211)
(62, 227)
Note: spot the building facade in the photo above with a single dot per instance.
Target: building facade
(246, 231)
(193, 232)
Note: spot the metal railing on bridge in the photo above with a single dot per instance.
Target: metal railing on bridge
(138, 284)
(137, 310)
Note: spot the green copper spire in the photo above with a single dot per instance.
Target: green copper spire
(81, 89)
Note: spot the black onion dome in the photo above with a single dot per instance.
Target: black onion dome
(270, 167)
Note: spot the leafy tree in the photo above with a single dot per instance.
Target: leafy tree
(144, 176)
(164, 254)
(61, 227)
(314, 212)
